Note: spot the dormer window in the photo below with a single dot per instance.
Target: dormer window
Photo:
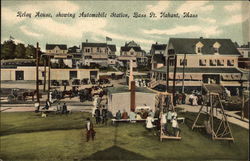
(216, 47)
(199, 46)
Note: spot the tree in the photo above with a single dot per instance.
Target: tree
(20, 51)
(8, 50)
(30, 52)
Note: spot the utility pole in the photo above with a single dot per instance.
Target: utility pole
(183, 73)
(49, 77)
(37, 72)
(175, 63)
(44, 61)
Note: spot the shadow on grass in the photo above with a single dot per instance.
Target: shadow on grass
(115, 153)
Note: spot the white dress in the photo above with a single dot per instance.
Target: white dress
(163, 118)
(149, 122)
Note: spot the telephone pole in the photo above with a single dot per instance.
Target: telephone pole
(49, 76)
(37, 72)
(44, 76)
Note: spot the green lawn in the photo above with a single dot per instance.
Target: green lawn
(26, 136)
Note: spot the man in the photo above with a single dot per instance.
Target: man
(175, 127)
(118, 115)
(124, 115)
(64, 109)
(132, 117)
(47, 104)
(104, 115)
(97, 115)
(90, 132)
(37, 106)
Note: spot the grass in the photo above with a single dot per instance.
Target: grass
(25, 136)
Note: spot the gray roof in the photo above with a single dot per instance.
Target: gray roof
(123, 89)
(52, 46)
(187, 46)
(199, 70)
(127, 48)
(159, 46)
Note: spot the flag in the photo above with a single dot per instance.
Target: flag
(11, 38)
(108, 39)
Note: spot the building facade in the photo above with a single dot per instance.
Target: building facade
(98, 53)
(28, 74)
(132, 51)
(157, 51)
(201, 61)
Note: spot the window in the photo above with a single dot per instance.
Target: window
(199, 49)
(220, 62)
(202, 62)
(212, 62)
(183, 62)
(43, 74)
(98, 49)
(216, 50)
(230, 62)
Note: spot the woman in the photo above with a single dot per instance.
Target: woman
(149, 122)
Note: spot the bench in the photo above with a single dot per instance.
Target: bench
(125, 120)
(128, 120)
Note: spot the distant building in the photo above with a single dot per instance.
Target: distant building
(202, 61)
(56, 49)
(244, 60)
(57, 52)
(157, 52)
(28, 74)
(98, 53)
(132, 51)
(76, 55)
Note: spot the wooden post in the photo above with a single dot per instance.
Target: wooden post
(49, 76)
(175, 63)
(132, 96)
(37, 73)
(167, 86)
(44, 85)
(242, 106)
(183, 73)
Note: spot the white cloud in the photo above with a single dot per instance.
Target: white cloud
(70, 30)
(55, 6)
(159, 7)
(194, 6)
(235, 19)
(91, 25)
(28, 32)
(236, 6)
(208, 20)
(9, 17)
(206, 31)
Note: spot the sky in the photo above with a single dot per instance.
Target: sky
(216, 19)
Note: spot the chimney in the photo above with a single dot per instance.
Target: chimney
(86, 40)
(156, 42)
(201, 37)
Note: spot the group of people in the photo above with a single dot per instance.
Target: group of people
(101, 115)
(133, 116)
(167, 121)
(195, 99)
